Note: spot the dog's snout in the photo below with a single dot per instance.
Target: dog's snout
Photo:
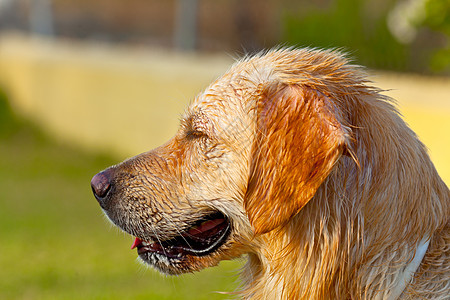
(101, 186)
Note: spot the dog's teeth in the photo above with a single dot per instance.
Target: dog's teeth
(145, 243)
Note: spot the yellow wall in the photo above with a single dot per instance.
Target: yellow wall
(114, 99)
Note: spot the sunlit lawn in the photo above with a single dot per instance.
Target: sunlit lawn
(55, 242)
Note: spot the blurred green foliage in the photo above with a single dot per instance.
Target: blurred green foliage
(438, 19)
(438, 15)
(356, 26)
(55, 242)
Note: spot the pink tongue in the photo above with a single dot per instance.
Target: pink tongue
(136, 243)
(205, 227)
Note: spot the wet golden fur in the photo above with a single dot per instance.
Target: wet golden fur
(327, 190)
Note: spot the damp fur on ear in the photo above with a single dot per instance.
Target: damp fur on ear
(298, 140)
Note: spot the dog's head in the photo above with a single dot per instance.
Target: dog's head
(251, 151)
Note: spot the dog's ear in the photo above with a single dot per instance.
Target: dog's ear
(298, 140)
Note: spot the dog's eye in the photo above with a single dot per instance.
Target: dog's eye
(197, 126)
(192, 130)
(195, 133)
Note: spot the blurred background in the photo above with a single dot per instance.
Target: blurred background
(85, 84)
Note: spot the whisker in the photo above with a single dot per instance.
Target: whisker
(157, 237)
(178, 230)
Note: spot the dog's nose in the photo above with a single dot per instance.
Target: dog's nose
(101, 186)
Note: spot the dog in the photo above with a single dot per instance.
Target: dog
(295, 160)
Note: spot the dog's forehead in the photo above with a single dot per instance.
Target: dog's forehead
(229, 101)
(224, 96)
(236, 88)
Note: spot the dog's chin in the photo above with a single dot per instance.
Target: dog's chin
(197, 247)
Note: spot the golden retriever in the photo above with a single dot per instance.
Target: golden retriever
(293, 159)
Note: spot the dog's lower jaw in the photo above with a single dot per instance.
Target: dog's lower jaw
(188, 263)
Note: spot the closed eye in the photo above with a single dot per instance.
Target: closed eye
(196, 125)
(195, 134)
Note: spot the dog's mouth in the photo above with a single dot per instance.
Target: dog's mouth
(203, 237)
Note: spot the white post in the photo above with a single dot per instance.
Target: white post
(185, 35)
(41, 17)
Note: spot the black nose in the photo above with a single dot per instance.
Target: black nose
(101, 186)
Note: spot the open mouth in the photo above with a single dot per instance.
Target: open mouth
(203, 237)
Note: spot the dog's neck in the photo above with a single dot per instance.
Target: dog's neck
(332, 286)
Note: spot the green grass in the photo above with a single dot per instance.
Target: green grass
(55, 242)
